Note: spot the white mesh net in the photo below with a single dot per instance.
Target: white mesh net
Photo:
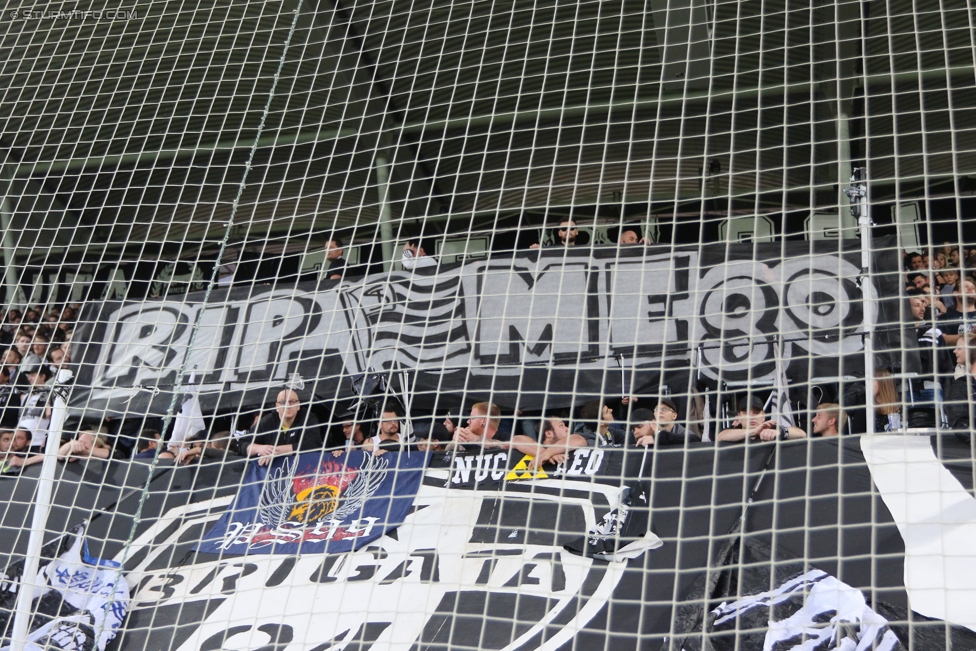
(429, 326)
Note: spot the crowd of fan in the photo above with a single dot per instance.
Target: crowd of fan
(941, 286)
(293, 426)
(37, 343)
(34, 345)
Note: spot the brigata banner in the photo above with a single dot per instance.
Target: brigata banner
(520, 328)
(318, 502)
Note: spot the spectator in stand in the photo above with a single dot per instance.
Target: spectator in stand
(388, 436)
(352, 432)
(752, 423)
(566, 232)
(830, 420)
(962, 319)
(35, 410)
(415, 256)
(954, 257)
(437, 440)
(482, 427)
(56, 358)
(934, 300)
(936, 364)
(289, 429)
(553, 448)
(886, 404)
(87, 445)
(914, 262)
(887, 410)
(947, 288)
(659, 427)
(6, 438)
(147, 444)
(333, 255)
(9, 399)
(960, 403)
(32, 316)
(631, 234)
(598, 427)
(12, 360)
(21, 452)
(7, 330)
(200, 446)
(917, 281)
(22, 344)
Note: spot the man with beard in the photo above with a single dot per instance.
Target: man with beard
(555, 445)
(566, 232)
(388, 437)
(829, 420)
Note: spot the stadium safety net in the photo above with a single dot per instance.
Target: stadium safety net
(489, 326)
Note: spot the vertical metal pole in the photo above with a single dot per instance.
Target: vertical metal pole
(386, 213)
(42, 506)
(9, 276)
(844, 166)
(858, 194)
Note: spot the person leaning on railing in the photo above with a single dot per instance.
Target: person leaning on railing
(292, 427)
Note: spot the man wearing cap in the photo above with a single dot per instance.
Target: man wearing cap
(659, 426)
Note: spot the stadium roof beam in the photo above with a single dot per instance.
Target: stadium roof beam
(25, 169)
(324, 135)
(360, 70)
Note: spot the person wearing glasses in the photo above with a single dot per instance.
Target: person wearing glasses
(658, 427)
(567, 233)
(289, 429)
(388, 432)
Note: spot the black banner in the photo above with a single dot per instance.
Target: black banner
(498, 548)
(598, 320)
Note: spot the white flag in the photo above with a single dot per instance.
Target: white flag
(95, 600)
(190, 419)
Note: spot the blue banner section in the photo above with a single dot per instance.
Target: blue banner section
(316, 502)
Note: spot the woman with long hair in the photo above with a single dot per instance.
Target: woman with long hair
(887, 408)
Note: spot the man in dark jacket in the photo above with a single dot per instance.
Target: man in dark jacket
(961, 400)
(290, 429)
(658, 427)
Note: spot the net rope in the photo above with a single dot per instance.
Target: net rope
(489, 326)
